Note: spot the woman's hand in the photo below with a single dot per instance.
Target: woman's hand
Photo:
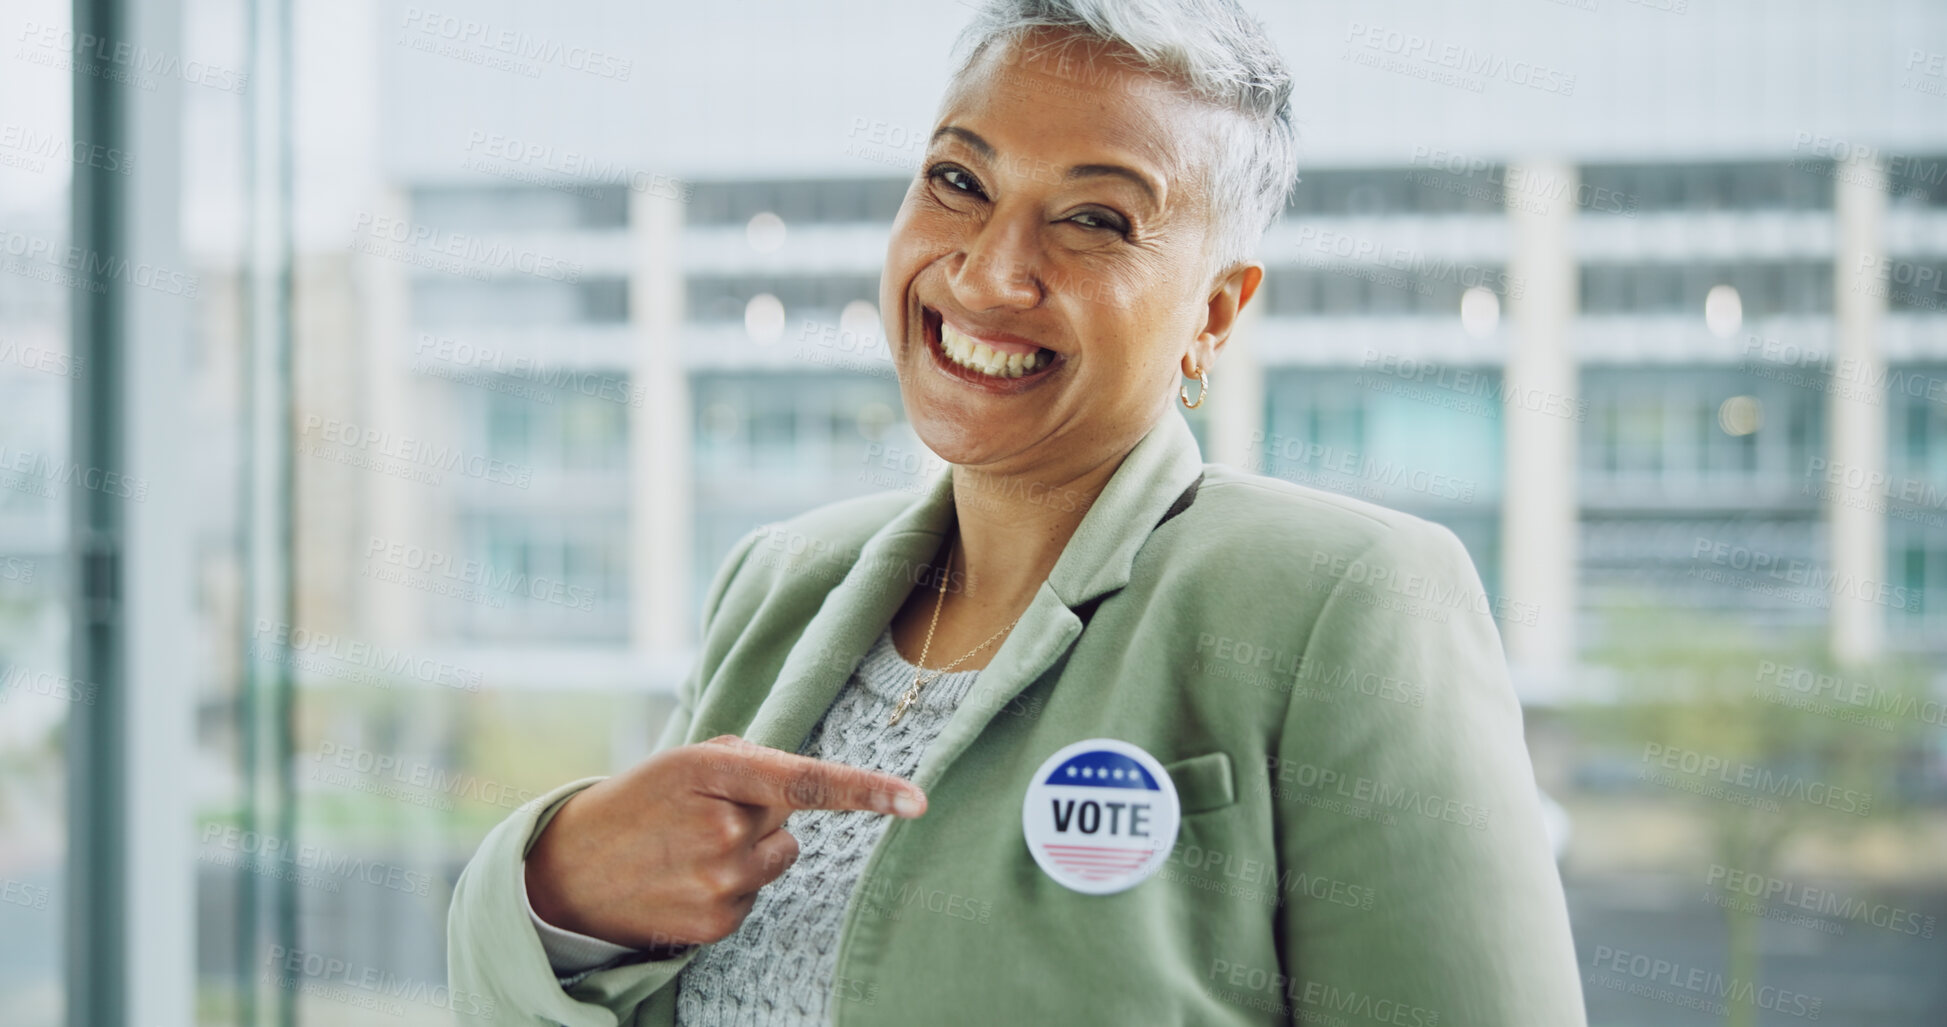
(672, 852)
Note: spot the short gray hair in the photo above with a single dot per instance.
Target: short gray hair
(1223, 55)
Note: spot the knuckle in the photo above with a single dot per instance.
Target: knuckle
(722, 881)
(722, 828)
(808, 789)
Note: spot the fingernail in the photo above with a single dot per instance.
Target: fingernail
(905, 804)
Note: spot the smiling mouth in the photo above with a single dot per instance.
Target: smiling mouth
(982, 362)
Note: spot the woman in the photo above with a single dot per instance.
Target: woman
(1189, 746)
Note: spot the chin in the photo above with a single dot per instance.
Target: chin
(953, 440)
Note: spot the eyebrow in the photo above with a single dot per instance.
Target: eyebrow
(988, 153)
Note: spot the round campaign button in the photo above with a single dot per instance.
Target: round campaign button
(1100, 816)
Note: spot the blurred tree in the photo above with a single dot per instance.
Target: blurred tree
(1709, 684)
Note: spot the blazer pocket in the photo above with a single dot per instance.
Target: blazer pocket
(1203, 783)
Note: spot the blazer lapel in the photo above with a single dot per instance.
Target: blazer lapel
(852, 616)
(1096, 562)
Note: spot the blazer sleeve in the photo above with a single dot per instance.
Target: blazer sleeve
(494, 955)
(1414, 781)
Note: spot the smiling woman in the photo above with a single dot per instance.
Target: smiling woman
(1092, 731)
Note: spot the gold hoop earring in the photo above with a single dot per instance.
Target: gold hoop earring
(1203, 388)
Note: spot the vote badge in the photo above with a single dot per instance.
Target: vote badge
(1100, 816)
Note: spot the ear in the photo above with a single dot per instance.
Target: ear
(1227, 300)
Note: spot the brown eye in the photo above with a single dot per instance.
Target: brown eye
(1101, 220)
(956, 179)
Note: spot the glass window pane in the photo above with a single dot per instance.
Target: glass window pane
(37, 692)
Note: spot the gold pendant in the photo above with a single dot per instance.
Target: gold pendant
(904, 701)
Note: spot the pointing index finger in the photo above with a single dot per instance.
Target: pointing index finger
(763, 776)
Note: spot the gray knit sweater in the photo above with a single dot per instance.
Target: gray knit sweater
(776, 970)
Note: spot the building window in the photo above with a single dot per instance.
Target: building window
(487, 209)
(1437, 188)
(1426, 443)
(1746, 186)
(1431, 290)
(1765, 289)
(1691, 436)
(719, 298)
(836, 201)
(541, 577)
(519, 301)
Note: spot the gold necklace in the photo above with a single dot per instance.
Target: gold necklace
(919, 678)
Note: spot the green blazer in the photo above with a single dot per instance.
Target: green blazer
(1361, 839)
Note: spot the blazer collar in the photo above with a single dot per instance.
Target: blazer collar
(1096, 561)
(1098, 558)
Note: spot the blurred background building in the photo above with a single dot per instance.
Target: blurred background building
(1644, 300)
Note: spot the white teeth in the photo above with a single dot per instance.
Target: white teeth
(978, 356)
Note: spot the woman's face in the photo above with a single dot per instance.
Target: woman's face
(1046, 276)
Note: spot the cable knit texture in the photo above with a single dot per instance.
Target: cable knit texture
(776, 970)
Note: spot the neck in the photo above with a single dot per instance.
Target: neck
(1012, 527)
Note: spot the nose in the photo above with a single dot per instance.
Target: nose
(999, 267)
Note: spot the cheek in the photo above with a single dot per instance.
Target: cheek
(918, 239)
